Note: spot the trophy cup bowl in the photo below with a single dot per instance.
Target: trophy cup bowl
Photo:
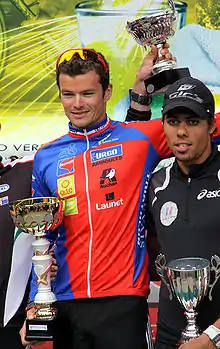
(155, 30)
(35, 216)
(188, 280)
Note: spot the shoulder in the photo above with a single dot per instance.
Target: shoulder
(160, 181)
(53, 143)
(162, 172)
(24, 162)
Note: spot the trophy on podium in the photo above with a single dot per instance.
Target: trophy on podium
(155, 30)
(35, 216)
(188, 279)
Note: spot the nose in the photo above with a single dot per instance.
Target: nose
(182, 129)
(78, 102)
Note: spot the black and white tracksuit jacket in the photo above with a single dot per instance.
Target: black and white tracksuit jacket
(184, 217)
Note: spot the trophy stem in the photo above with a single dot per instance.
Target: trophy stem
(191, 331)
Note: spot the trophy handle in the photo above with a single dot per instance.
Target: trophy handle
(172, 6)
(160, 264)
(215, 266)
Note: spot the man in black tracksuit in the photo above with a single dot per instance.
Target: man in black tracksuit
(184, 204)
(15, 183)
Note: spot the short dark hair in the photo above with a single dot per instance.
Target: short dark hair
(77, 66)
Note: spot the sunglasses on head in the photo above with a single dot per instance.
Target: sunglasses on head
(84, 53)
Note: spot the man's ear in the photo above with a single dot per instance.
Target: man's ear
(212, 125)
(108, 93)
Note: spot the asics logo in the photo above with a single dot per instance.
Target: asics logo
(208, 194)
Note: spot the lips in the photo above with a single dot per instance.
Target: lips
(181, 147)
(79, 114)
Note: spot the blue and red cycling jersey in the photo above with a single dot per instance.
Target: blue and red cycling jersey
(103, 174)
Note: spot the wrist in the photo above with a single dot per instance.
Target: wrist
(206, 342)
(139, 87)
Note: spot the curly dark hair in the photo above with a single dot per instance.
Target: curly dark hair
(77, 66)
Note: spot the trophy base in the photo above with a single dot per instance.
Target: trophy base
(160, 81)
(39, 330)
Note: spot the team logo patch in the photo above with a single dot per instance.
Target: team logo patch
(4, 201)
(108, 178)
(65, 167)
(71, 207)
(4, 187)
(66, 186)
(218, 174)
(107, 153)
(168, 213)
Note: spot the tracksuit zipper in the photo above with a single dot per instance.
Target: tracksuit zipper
(187, 200)
(89, 217)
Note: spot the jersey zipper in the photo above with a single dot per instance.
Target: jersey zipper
(89, 217)
(187, 200)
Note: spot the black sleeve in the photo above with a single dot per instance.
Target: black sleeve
(136, 115)
(153, 245)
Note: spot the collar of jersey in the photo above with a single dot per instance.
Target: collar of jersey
(90, 131)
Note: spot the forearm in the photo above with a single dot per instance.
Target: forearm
(138, 115)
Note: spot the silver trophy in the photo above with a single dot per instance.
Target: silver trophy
(155, 30)
(188, 279)
(36, 216)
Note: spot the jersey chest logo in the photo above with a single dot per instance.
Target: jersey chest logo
(168, 213)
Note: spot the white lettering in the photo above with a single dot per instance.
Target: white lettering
(106, 154)
(185, 87)
(109, 205)
(183, 94)
(208, 194)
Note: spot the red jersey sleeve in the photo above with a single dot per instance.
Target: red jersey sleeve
(153, 129)
(216, 134)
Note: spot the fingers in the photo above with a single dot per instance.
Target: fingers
(30, 315)
(54, 270)
(22, 333)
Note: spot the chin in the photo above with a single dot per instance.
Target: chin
(79, 124)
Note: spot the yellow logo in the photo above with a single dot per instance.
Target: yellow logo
(66, 186)
(71, 206)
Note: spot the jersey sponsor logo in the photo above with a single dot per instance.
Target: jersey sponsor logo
(66, 152)
(107, 161)
(4, 201)
(111, 204)
(4, 187)
(71, 206)
(107, 140)
(103, 140)
(66, 186)
(218, 175)
(108, 178)
(208, 194)
(168, 213)
(110, 196)
(107, 153)
(65, 166)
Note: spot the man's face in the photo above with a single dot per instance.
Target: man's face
(188, 136)
(82, 98)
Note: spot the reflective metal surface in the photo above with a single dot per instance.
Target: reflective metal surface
(188, 280)
(155, 30)
(36, 215)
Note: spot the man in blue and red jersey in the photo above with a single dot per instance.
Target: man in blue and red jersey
(102, 169)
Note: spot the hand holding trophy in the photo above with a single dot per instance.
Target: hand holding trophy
(35, 216)
(155, 30)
